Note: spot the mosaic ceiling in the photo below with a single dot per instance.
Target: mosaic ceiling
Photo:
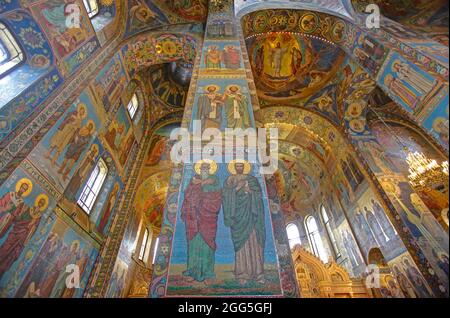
(147, 14)
(424, 16)
(337, 7)
(292, 66)
(306, 159)
(170, 82)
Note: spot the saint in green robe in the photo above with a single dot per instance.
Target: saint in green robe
(236, 111)
(212, 59)
(244, 215)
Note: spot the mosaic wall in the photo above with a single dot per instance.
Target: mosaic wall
(26, 87)
(426, 17)
(357, 205)
(53, 53)
(166, 86)
(293, 67)
(43, 233)
(43, 230)
(120, 276)
(115, 268)
(156, 48)
(219, 255)
(62, 155)
(45, 165)
(420, 229)
(393, 158)
(398, 194)
(416, 81)
(148, 207)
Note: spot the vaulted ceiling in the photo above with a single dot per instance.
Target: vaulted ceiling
(426, 17)
(151, 14)
(299, 80)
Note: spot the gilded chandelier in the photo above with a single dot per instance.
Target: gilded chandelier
(426, 173)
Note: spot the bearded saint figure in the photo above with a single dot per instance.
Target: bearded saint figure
(244, 214)
(200, 211)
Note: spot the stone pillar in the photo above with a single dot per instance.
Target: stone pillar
(210, 245)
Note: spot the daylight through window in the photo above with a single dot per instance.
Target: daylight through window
(315, 239)
(93, 187)
(11, 54)
(91, 7)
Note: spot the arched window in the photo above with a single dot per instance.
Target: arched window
(293, 235)
(133, 106)
(91, 7)
(11, 54)
(92, 188)
(144, 243)
(155, 250)
(326, 221)
(315, 240)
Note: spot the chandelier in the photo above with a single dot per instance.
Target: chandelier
(425, 172)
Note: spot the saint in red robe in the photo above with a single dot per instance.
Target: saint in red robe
(21, 227)
(200, 212)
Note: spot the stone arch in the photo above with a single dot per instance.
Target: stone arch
(144, 50)
(378, 62)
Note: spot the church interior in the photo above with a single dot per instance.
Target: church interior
(92, 204)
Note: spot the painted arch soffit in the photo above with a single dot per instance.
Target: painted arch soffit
(341, 8)
(151, 197)
(151, 48)
(150, 14)
(302, 137)
(320, 128)
(300, 178)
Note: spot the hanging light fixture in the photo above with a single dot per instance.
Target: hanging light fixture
(424, 173)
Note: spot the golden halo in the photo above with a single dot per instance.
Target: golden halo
(90, 121)
(233, 85)
(39, 198)
(217, 87)
(29, 255)
(212, 168)
(247, 166)
(437, 123)
(395, 64)
(27, 182)
(94, 147)
(77, 243)
(390, 187)
(355, 109)
(82, 106)
(388, 79)
(357, 125)
(389, 278)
